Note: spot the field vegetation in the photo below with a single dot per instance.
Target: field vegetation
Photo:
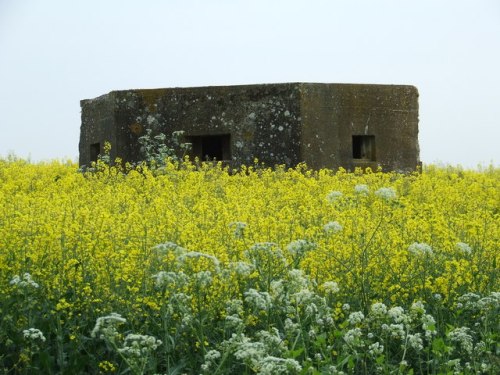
(195, 269)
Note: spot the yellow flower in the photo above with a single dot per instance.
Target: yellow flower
(62, 305)
(106, 366)
(90, 240)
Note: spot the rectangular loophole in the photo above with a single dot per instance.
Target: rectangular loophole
(95, 151)
(211, 147)
(363, 147)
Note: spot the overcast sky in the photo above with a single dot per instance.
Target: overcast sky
(55, 53)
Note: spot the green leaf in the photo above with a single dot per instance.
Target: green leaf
(439, 346)
(295, 353)
(320, 339)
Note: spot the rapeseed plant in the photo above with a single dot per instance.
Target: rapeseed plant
(251, 271)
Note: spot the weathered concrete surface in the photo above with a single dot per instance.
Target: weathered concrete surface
(334, 113)
(324, 125)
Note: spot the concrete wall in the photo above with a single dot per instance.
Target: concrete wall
(276, 123)
(98, 125)
(262, 121)
(385, 115)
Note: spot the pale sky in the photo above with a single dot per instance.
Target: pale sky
(53, 53)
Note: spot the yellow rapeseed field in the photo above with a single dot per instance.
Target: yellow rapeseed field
(85, 245)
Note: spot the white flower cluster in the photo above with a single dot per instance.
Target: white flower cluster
(396, 331)
(262, 356)
(361, 189)
(299, 247)
(334, 371)
(331, 287)
(105, 326)
(397, 313)
(234, 306)
(278, 291)
(333, 196)
(259, 300)
(417, 308)
(165, 278)
(25, 282)
(491, 302)
(247, 350)
(238, 228)
(428, 325)
(243, 268)
(270, 365)
(464, 248)
(235, 322)
(272, 339)
(262, 253)
(378, 310)
(455, 365)
(415, 341)
(210, 357)
(353, 337)
(139, 346)
(296, 280)
(291, 327)
(404, 322)
(264, 247)
(164, 248)
(303, 297)
(197, 255)
(386, 193)
(420, 249)
(33, 334)
(332, 227)
(376, 349)
(468, 301)
(203, 278)
(462, 336)
(311, 310)
(355, 318)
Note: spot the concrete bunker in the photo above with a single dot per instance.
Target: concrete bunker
(323, 125)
